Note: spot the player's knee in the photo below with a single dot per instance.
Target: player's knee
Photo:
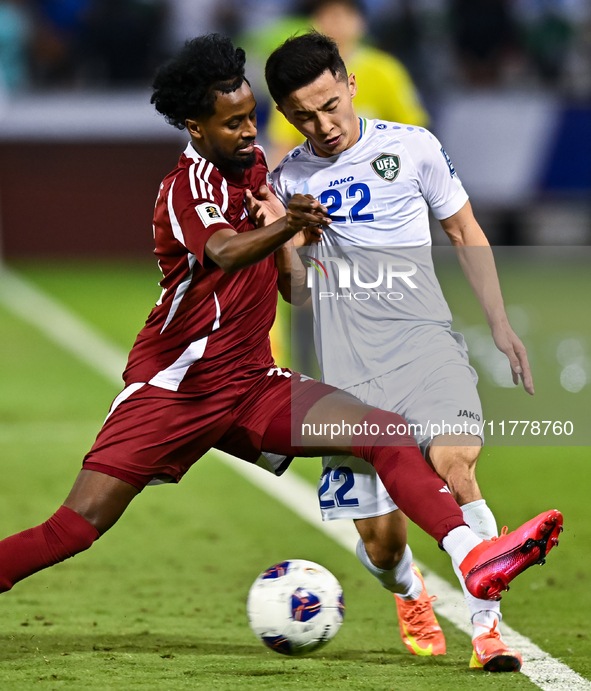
(455, 459)
(465, 456)
(82, 535)
(69, 533)
(384, 555)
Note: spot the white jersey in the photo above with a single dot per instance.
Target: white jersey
(373, 283)
(380, 188)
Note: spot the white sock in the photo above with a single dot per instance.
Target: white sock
(400, 580)
(458, 542)
(483, 613)
(484, 620)
(480, 519)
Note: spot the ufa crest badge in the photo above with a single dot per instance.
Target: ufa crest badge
(387, 166)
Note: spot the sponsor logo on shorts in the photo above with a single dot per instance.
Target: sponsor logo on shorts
(209, 213)
(469, 414)
(386, 166)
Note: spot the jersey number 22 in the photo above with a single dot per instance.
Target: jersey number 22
(333, 200)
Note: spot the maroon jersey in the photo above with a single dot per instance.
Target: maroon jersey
(208, 328)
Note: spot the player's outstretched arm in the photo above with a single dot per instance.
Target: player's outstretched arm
(291, 273)
(480, 270)
(265, 209)
(232, 251)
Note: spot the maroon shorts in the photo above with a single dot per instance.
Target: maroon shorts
(155, 434)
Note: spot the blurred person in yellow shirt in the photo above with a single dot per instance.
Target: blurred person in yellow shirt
(385, 91)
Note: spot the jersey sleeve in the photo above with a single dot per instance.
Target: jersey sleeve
(194, 219)
(279, 184)
(261, 175)
(438, 179)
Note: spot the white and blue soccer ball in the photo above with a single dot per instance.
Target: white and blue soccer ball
(295, 607)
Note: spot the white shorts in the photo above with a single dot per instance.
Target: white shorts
(437, 394)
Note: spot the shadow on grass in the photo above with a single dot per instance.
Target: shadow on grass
(22, 646)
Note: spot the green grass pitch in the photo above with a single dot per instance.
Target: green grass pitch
(159, 602)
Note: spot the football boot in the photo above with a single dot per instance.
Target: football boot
(419, 628)
(492, 655)
(493, 564)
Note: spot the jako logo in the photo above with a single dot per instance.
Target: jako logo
(392, 271)
(341, 181)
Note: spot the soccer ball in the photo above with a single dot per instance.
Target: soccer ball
(295, 607)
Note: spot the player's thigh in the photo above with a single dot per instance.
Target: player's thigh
(155, 435)
(317, 419)
(269, 419)
(302, 417)
(444, 405)
(331, 423)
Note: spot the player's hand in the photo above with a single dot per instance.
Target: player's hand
(311, 235)
(303, 212)
(508, 342)
(265, 208)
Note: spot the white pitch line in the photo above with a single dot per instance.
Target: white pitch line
(297, 494)
(61, 326)
(70, 332)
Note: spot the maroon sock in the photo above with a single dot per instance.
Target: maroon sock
(413, 485)
(65, 534)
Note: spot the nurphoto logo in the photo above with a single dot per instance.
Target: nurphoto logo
(347, 276)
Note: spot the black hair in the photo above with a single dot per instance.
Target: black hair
(185, 86)
(300, 61)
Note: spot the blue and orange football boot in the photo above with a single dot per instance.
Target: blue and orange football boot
(493, 564)
(492, 655)
(419, 628)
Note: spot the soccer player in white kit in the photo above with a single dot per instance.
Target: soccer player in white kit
(378, 179)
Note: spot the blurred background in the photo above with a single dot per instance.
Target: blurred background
(504, 84)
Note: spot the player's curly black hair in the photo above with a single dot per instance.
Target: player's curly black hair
(300, 61)
(185, 86)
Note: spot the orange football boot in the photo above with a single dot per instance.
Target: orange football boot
(419, 628)
(493, 564)
(492, 655)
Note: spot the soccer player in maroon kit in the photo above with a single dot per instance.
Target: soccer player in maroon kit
(201, 373)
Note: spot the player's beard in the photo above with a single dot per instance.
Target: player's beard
(236, 163)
